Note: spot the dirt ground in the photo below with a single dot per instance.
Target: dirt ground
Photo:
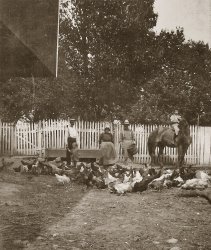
(38, 214)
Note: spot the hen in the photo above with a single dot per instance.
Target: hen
(142, 185)
(62, 179)
(121, 188)
(109, 178)
(195, 184)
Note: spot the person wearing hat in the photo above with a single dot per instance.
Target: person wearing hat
(175, 119)
(127, 139)
(108, 154)
(71, 140)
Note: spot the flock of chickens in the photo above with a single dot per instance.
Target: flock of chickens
(118, 178)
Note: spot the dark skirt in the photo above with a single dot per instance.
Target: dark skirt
(108, 154)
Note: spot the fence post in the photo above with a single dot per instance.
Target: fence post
(0, 137)
(39, 138)
(13, 140)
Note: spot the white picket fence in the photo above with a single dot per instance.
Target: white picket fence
(34, 138)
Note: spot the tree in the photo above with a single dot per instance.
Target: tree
(112, 65)
(106, 43)
(183, 83)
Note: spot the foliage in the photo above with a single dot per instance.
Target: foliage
(183, 83)
(113, 65)
(105, 42)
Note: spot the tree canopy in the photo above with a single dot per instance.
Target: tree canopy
(113, 65)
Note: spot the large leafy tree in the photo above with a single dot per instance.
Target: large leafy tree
(108, 43)
(183, 82)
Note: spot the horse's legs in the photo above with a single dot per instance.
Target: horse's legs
(152, 154)
(160, 155)
(181, 155)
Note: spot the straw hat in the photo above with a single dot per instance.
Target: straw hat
(107, 125)
(126, 122)
(72, 120)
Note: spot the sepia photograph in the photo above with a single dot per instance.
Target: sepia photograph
(105, 124)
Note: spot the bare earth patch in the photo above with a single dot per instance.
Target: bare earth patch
(38, 214)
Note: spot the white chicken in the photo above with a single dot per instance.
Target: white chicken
(109, 179)
(127, 177)
(203, 176)
(121, 188)
(179, 180)
(195, 184)
(137, 177)
(62, 179)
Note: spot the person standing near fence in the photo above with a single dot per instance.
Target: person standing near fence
(108, 154)
(127, 140)
(72, 140)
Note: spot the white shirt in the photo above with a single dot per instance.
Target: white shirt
(72, 132)
(175, 118)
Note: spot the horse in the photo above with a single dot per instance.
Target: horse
(163, 137)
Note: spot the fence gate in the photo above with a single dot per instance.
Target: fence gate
(27, 138)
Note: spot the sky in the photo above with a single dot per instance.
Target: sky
(193, 15)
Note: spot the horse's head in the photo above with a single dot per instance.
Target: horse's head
(183, 125)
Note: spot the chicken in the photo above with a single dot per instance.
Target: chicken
(86, 175)
(195, 184)
(17, 169)
(137, 177)
(121, 188)
(167, 184)
(177, 182)
(54, 168)
(174, 175)
(96, 170)
(188, 173)
(109, 178)
(98, 182)
(120, 169)
(203, 176)
(142, 185)
(157, 184)
(126, 177)
(62, 179)
(36, 168)
(29, 163)
(24, 169)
